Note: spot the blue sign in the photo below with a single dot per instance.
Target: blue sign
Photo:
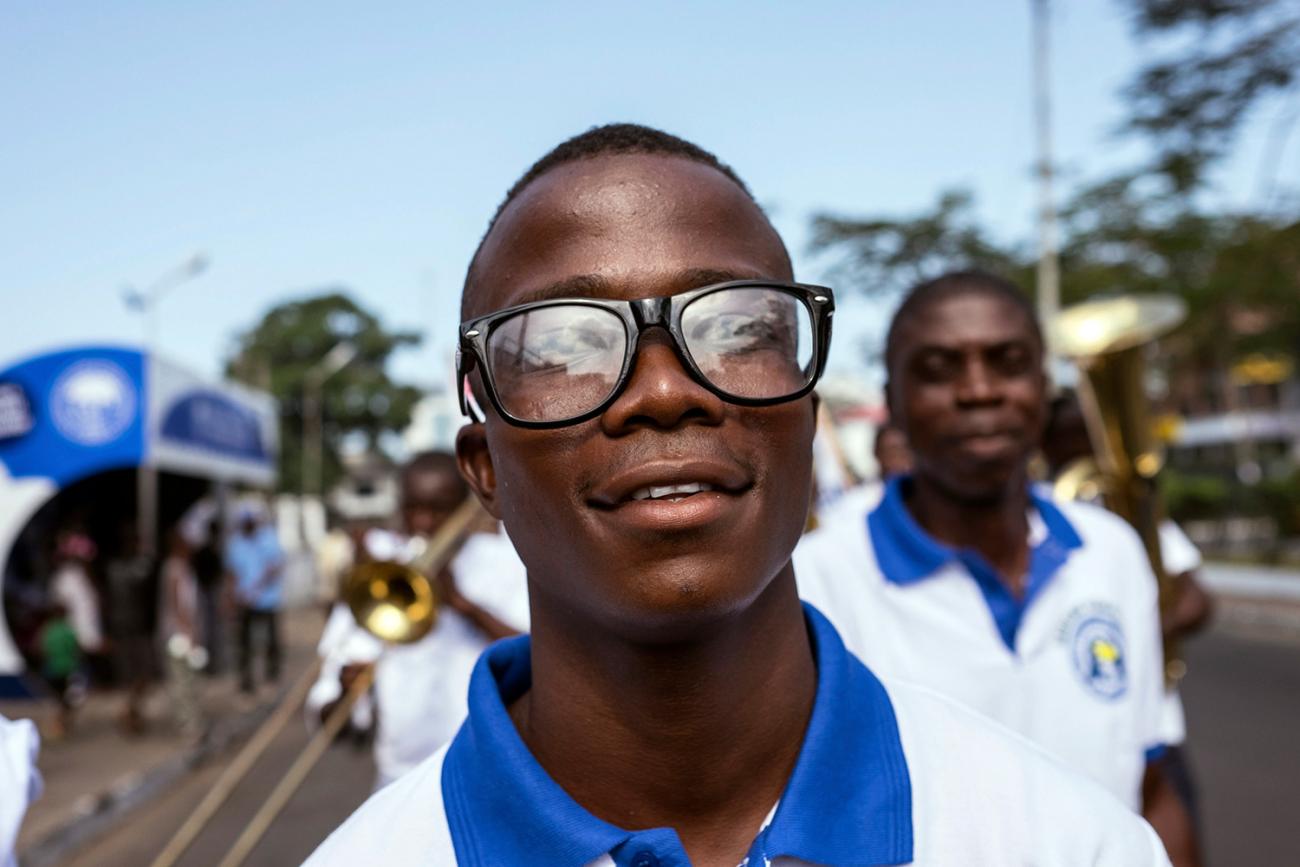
(85, 408)
(15, 411)
(213, 422)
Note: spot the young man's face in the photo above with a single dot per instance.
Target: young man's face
(428, 498)
(967, 387)
(626, 227)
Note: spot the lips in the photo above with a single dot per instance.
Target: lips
(670, 480)
(988, 443)
(672, 496)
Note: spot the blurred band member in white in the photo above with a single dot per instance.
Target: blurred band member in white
(419, 693)
(1066, 440)
(20, 782)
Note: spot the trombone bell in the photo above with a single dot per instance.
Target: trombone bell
(393, 602)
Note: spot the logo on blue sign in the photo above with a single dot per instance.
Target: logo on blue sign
(93, 402)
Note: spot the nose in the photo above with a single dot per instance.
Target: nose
(660, 393)
(978, 384)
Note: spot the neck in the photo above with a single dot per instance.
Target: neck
(699, 736)
(994, 525)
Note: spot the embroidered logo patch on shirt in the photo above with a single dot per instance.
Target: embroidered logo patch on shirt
(1096, 643)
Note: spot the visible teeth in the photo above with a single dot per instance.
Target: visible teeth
(655, 492)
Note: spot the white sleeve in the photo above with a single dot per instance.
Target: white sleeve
(20, 782)
(1178, 552)
(1173, 721)
(1158, 729)
(491, 575)
(342, 643)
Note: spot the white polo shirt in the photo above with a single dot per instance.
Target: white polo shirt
(895, 775)
(1076, 665)
(420, 688)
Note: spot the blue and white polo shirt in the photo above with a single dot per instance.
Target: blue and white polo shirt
(1075, 665)
(885, 776)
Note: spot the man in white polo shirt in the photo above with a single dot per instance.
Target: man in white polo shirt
(419, 688)
(964, 578)
(644, 365)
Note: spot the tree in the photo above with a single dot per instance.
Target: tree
(277, 353)
(1238, 273)
(1227, 57)
(882, 256)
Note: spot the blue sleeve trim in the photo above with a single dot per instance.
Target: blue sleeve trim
(1156, 752)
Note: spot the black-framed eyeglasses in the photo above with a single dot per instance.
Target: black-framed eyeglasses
(562, 361)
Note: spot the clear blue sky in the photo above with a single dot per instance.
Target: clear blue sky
(306, 144)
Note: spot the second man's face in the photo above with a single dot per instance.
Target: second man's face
(968, 388)
(628, 227)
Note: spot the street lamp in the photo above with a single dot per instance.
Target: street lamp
(313, 432)
(146, 304)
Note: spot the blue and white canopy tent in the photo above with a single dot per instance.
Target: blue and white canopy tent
(73, 416)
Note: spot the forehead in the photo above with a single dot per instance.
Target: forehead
(967, 320)
(629, 225)
(424, 482)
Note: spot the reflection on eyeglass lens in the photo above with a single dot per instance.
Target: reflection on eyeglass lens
(563, 360)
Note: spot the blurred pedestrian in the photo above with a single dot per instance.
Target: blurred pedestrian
(1066, 443)
(61, 666)
(181, 634)
(130, 581)
(209, 570)
(968, 579)
(20, 781)
(71, 587)
(256, 567)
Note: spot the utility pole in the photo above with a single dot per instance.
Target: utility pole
(146, 304)
(313, 425)
(1049, 273)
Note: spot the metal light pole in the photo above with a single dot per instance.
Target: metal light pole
(1049, 275)
(146, 304)
(313, 428)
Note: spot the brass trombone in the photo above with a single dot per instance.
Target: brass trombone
(1108, 340)
(395, 602)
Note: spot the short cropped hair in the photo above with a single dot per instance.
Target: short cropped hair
(608, 140)
(952, 285)
(435, 463)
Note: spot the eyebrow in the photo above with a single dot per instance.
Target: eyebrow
(596, 286)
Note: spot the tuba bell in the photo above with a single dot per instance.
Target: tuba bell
(1108, 340)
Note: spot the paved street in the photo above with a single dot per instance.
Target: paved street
(334, 789)
(1243, 706)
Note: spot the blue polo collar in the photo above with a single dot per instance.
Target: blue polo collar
(907, 554)
(848, 801)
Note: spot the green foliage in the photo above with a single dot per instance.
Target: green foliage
(277, 353)
(1227, 57)
(1238, 273)
(1191, 496)
(882, 256)
(1278, 497)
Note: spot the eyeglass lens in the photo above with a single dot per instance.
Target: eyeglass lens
(561, 361)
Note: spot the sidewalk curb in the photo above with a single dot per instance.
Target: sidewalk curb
(96, 814)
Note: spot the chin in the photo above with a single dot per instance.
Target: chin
(678, 605)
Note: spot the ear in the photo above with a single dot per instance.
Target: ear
(475, 462)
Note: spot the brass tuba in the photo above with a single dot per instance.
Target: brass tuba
(1107, 340)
